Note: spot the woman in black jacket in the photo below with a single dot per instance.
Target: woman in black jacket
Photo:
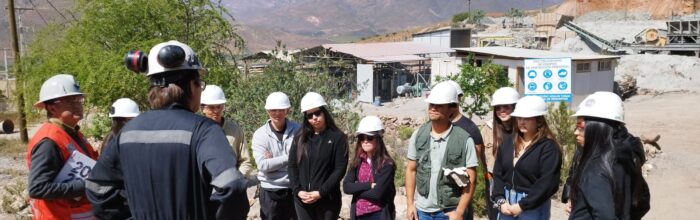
(607, 181)
(526, 171)
(370, 178)
(318, 159)
(495, 132)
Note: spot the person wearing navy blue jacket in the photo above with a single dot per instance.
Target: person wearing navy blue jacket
(169, 163)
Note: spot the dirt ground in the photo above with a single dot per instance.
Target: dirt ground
(675, 180)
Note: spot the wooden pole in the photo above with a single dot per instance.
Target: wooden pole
(19, 86)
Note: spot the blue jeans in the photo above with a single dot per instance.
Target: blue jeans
(539, 213)
(439, 215)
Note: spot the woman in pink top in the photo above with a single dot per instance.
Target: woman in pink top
(370, 178)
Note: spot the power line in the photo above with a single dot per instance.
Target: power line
(54, 8)
(37, 12)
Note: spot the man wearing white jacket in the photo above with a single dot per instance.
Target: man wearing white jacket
(271, 144)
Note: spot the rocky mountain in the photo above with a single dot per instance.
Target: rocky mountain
(303, 23)
(655, 9)
(343, 20)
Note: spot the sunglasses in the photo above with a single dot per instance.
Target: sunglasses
(364, 137)
(503, 107)
(311, 115)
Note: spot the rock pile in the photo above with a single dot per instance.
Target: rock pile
(625, 87)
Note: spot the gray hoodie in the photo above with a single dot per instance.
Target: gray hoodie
(272, 172)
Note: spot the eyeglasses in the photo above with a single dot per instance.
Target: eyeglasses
(80, 101)
(311, 115)
(364, 137)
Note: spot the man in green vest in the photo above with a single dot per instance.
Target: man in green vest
(434, 149)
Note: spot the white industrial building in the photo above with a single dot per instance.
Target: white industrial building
(590, 72)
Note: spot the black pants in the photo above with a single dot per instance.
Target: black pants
(490, 210)
(371, 216)
(321, 210)
(277, 204)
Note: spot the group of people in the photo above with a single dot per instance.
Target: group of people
(171, 163)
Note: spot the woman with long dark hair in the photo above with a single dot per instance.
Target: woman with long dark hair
(495, 131)
(318, 159)
(526, 171)
(370, 178)
(121, 112)
(607, 181)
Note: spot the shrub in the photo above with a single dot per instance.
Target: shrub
(478, 83)
(98, 126)
(562, 124)
(405, 132)
(479, 197)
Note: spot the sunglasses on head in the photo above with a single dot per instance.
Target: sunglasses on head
(311, 115)
(364, 137)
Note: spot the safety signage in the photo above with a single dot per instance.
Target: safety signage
(549, 78)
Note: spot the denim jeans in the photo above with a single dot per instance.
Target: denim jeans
(542, 212)
(439, 215)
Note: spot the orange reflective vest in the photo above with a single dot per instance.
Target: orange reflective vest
(68, 208)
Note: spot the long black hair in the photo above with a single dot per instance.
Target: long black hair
(307, 130)
(631, 156)
(598, 152)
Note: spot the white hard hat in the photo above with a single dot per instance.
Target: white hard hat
(505, 96)
(277, 100)
(456, 86)
(530, 106)
(124, 107)
(311, 100)
(57, 86)
(172, 55)
(606, 105)
(370, 125)
(442, 93)
(213, 95)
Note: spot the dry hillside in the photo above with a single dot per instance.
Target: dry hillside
(658, 9)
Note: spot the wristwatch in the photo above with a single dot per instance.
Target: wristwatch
(499, 202)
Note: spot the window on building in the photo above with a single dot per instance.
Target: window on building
(583, 67)
(604, 65)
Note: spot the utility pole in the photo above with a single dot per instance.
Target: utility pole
(19, 86)
(469, 5)
(541, 6)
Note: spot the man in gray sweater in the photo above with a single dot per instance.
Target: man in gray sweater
(271, 144)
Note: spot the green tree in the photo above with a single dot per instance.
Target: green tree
(473, 17)
(562, 124)
(247, 99)
(93, 47)
(514, 14)
(478, 83)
